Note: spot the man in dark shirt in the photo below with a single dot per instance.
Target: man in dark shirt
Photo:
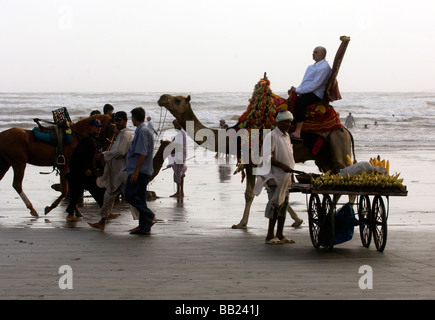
(82, 173)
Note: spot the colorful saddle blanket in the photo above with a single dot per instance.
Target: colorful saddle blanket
(264, 105)
(51, 136)
(320, 117)
(59, 132)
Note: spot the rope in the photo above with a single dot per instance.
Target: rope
(160, 128)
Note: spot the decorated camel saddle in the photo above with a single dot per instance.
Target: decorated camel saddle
(321, 118)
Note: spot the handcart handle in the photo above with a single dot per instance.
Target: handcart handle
(295, 171)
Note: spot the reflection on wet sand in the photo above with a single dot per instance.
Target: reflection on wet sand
(224, 172)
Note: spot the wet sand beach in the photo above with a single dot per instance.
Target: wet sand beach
(194, 254)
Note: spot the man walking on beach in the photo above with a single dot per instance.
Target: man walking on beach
(278, 151)
(150, 126)
(312, 88)
(114, 176)
(139, 165)
(82, 173)
(350, 121)
(177, 159)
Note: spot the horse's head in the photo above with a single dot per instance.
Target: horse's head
(108, 129)
(81, 128)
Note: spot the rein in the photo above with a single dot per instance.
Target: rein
(160, 128)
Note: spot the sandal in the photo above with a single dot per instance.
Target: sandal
(273, 241)
(287, 240)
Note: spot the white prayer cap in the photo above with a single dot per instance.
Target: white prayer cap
(284, 115)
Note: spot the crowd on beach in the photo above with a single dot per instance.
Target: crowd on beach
(128, 163)
(127, 167)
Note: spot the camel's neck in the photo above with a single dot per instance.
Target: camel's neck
(158, 159)
(197, 131)
(191, 116)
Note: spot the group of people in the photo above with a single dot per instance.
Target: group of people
(135, 154)
(128, 166)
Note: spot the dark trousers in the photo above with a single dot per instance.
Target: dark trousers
(136, 195)
(77, 185)
(303, 101)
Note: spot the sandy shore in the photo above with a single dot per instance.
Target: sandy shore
(194, 254)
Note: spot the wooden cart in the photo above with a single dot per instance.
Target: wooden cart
(372, 214)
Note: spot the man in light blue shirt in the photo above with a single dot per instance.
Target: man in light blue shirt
(312, 88)
(139, 166)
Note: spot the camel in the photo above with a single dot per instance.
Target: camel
(339, 143)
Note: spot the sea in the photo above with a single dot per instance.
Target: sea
(384, 121)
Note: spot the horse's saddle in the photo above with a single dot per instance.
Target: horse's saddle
(57, 134)
(52, 134)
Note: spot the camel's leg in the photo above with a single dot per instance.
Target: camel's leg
(294, 216)
(249, 198)
(17, 184)
(336, 197)
(64, 192)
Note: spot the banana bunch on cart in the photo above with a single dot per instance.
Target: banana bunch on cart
(373, 174)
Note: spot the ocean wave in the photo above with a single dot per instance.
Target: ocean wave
(407, 118)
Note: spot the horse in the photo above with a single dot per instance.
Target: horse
(19, 147)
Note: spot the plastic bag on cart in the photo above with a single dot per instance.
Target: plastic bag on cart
(360, 167)
(344, 224)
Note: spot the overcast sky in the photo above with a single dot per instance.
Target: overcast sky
(220, 45)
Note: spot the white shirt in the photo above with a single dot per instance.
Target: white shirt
(180, 144)
(114, 168)
(281, 150)
(315, 79)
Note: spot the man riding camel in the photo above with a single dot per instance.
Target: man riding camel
(312, 88)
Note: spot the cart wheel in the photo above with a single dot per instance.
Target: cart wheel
(365, 231)
(327, 222)
(379, 224)
(314, 217)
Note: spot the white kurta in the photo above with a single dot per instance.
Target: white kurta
(114, 169)
(179, 142)
(178, 160)
(277, 145)
(115, 176)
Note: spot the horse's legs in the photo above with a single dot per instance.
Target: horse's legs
(63, 190)
(4, 167)
(249, 198)
(17, 184)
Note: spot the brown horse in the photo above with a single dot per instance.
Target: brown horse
(19, 147)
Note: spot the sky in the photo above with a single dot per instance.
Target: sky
(212, 46)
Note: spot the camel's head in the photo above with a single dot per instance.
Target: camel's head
(178, 105)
